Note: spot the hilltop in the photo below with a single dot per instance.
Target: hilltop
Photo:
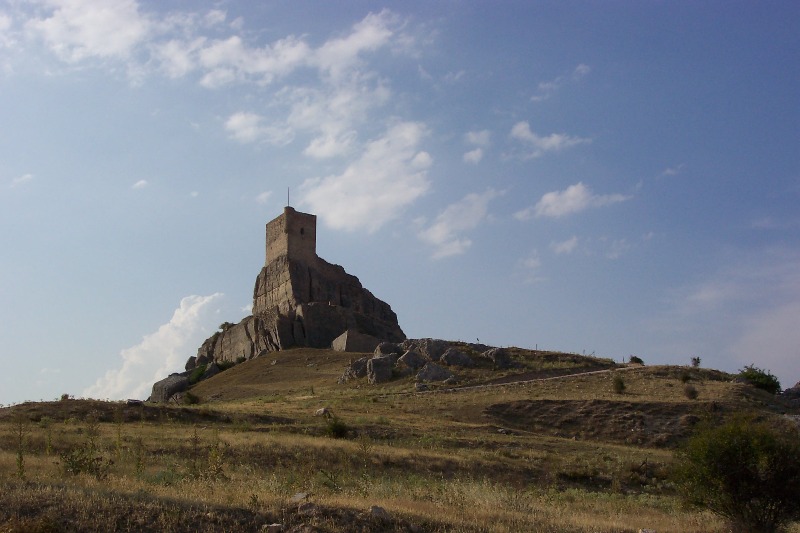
(548, 445)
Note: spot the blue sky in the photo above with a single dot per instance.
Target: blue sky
(613, 178)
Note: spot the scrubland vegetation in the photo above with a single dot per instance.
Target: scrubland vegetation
(556, 453)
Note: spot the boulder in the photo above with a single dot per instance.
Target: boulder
(412, 360)
(190, 363)
(453, 357)
(499, 357)
(388, 348)
(433, 372)
(379, 369)
(430, 348)
(166, 388)
(354, 341)
(357, 369)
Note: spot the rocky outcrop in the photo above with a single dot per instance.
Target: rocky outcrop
(299, 299)
(453, 357)
(434, 372)
(379, 369)
(499, 357)
(168, 387)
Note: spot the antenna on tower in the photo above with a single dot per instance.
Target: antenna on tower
(288, 203)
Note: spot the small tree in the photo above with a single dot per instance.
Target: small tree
(695, 361)
(762, 379)
(636, 360)
(745, 471)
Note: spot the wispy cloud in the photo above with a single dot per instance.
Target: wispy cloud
(478, 139)
(547, 88)
(390, 174)
(160, 352)
(141, 184)
(21, 180)
(531, 266)
(446, 232)
(565, 247)
(263, 198)
(537, 145)
(251, 127)
(573, 199)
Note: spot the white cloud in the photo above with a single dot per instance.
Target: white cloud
(337, 56)
(80, 29)
(263, 197)
(160, 353)
(536, 145)
(474, 156)
(390, 175)
(478, 138)
(531, 265)
(464, 215)
(565, 247)
(249, 128)
(574, 199)
(21, 180)
(617, 248)
(547, 88)
(141, 184)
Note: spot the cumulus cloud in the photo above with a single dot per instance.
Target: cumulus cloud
(160, 353)
(565, 247)
(390, 174)
(445, 234)
(80, 29)
(573, 199)
(473, 156)
(537, 145)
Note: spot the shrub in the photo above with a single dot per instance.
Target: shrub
(685, 377)
(745, 471)
(190, 398)
(618, 384)
(636, 360)
(336, 429)
(690, 392)
(762, 379)
(196, 374)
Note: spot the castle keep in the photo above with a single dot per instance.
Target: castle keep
(299, 299)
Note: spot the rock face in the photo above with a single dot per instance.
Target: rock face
(300, 299)
(168, 387)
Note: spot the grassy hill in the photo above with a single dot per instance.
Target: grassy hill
(548, 446)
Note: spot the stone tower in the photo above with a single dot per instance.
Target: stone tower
(292, 234)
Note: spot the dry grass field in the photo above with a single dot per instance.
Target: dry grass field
(549, 446)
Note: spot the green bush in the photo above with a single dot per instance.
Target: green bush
(762, 379)
(746, 471)
(196, 374)
(635, 359)
(690, 392)
(618, 384)
(336, 429)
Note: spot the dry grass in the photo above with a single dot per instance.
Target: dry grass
(572, 455)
